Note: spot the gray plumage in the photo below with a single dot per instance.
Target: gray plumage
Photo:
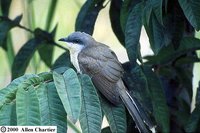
(102, 65)
(104, 69)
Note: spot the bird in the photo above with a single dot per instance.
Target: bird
(98, 61)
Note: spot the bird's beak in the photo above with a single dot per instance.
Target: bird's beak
(63, 39)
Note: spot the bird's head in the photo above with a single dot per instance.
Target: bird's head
(78, 40)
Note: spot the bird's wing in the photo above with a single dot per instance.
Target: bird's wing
(104, 68)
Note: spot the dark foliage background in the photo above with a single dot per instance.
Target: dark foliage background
(162, 84)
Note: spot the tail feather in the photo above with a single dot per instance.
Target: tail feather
(134, 111)
(147, 120)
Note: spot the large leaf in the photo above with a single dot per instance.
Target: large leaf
(87, 16)
(69, 91)
(42, 93)
(6, 25)
(169, 54)
(5, 6)
(136, 82)
(91, 115)
(132, 32)
(106, 130)
(185, 77)
(46, 48)
(147, 12)
(51, 108)
(114, 12)
(51, 13)
(160, 108)
(116, 116)
(46, 53)
(63, 61)
(177, 21)
(198, 95)
(23, 57)
(10, 50)
(157, 9)
(191, 10)
(8, 93)
(8, 115)
(190, 59)
(27, 107)
(158, 37)
(194, 121)
(126, 8)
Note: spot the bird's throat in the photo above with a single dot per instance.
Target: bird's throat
(74, 60)
(75, 49)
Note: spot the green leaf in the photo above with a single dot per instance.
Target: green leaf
(194, 121)
(46, 54)
(46, 47)
(8, 115)
(5, 26)
(5, 6)
(185, 77)
(87, 16)
(160, 108)
(46, 50)
(114, 13)
(177, 21)
(116, 116)
(51, 108)
(191, 10)
(187, 60)
(10, 50)
(198, 95)
(106, 130)
(42, 93)
(63, 61)
(137, 85)
(69, 91)
(46, 76)
(157, 9)
(23, 57)
(126, 8)
(8, 93)
(158, 37)
(27, 107)
(51, 13)
(168, 54)
(147, 13)
(91, 115)
(132, 32)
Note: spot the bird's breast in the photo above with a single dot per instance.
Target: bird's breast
(74, 60)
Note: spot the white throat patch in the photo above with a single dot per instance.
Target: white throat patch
(75, 49)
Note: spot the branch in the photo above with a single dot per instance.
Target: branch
(26, 29)
(60, 46)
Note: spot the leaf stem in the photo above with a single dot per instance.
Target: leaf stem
(60, 46)
(23, 27)
(73, 126)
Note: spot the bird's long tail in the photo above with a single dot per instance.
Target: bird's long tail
(141, 121)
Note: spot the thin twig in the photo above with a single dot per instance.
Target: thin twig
(60, 46)
(16, 24)
(22, 27)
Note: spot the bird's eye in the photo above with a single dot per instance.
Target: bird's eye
(76, 41)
